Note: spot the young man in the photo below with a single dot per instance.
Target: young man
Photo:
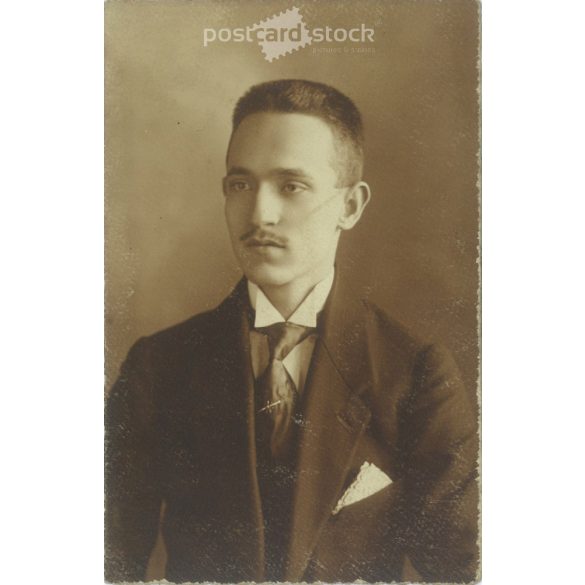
(295, 432)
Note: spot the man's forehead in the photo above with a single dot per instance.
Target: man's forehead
(284, 121)
(286, 143)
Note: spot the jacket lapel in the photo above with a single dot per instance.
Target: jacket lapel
(232, 372)
(334, 419)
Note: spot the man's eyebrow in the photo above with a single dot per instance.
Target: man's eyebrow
(278, 172)
(238, 171)
(297, 173)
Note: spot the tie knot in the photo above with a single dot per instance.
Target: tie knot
(282, 337)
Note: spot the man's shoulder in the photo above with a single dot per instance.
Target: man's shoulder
(363, 340)
(394, 347)
(384, 338)
(393, 338)
(380, 323)
(186, 335)
(201, 326)
(186, 330)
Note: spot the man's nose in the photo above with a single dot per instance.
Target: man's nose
(266, 207)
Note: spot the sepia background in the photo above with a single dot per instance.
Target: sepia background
(168, 108)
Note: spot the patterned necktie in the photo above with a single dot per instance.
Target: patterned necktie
(277, 390)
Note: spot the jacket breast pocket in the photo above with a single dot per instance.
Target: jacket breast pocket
(361, 541)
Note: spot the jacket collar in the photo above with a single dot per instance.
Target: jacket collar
(231, 380)
(334, 419)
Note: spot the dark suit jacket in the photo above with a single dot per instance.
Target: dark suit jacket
(180, 429)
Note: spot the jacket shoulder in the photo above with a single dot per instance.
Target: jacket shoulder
(200, 327)
(395, 348)
(184, 332)
(382, 328)
(168, 352)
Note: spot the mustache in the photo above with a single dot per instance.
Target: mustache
(262, 237)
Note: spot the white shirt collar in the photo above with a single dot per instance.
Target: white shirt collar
(306, 313)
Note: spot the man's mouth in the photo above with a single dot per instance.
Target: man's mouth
(262, 242)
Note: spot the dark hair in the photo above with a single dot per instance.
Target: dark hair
(317, 99)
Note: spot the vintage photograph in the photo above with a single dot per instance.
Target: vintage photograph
(292, 251)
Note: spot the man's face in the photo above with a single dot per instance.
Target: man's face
(282, 205)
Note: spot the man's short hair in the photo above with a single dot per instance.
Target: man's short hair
(319, 100)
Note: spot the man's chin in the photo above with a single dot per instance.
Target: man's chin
(267, 276)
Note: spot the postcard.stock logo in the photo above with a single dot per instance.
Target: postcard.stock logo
(285, 33)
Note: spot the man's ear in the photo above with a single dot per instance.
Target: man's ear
(355, 201)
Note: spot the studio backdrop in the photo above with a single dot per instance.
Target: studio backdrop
(174, 71)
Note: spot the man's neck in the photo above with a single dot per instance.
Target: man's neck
(288, 297)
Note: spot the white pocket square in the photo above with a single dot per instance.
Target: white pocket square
(369, 481)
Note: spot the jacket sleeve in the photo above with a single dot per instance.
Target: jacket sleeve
(441, 472)
(132, 491)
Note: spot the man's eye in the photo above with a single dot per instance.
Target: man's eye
(237, 186)
(293, 188)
